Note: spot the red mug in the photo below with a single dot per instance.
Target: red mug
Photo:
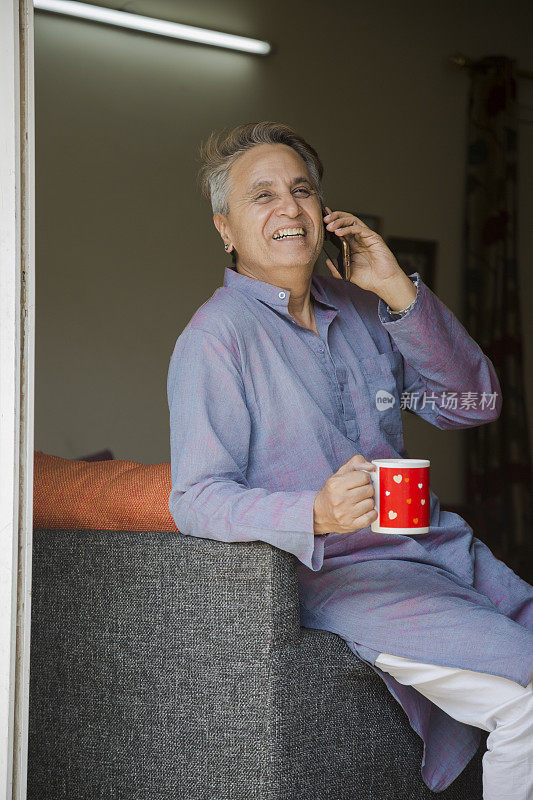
(401, 495)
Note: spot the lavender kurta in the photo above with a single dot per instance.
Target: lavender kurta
(263, 411)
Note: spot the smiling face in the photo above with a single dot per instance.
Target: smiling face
(275, 216)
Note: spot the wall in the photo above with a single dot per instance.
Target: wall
(126, 248)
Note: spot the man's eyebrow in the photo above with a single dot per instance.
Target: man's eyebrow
(264, 183)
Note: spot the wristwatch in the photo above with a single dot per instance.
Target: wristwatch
(403, 312)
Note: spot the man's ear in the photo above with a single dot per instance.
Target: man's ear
(221, 224)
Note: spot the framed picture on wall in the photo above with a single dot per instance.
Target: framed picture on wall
(415, 255)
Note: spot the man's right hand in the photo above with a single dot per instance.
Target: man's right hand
(346, 501)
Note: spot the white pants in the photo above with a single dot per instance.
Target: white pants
(489, 702)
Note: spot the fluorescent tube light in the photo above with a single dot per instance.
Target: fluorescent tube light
(175, 30)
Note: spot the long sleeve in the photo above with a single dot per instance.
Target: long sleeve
(448, 380)
(210, 431)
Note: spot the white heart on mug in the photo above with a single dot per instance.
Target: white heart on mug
(422, 501)
(387, 491)
(397, 478)
(419, 485)
(392, 514)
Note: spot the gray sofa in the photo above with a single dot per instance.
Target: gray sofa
(168, 667)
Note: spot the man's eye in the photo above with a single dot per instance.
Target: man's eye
(299, 189)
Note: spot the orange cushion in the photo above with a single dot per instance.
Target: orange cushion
(100, 495)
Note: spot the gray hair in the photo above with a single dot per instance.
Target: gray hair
(222, 149)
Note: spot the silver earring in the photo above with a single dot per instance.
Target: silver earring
(226, 246)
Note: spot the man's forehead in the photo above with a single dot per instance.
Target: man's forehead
(268, 161)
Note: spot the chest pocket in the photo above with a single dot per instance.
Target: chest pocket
(384, 374)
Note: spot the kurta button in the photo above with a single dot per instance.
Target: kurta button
(320, 349)
(282, 295)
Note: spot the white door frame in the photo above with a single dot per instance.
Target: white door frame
(17, 358)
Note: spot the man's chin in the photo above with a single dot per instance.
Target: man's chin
(294, 258)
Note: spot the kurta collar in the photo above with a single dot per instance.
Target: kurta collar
(272, 295)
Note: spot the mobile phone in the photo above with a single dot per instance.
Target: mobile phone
(336, 248)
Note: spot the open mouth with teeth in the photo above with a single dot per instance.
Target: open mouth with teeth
(289, 233)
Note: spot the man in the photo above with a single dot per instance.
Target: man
(273, 419)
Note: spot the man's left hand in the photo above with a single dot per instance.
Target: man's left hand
(373, 265)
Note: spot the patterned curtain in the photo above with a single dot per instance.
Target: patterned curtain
(498, 462)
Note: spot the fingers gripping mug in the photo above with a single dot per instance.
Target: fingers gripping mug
(401, 495)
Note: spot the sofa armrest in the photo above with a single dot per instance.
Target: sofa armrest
(150, 655)
(237, 598)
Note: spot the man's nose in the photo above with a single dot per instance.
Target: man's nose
(287, 206)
